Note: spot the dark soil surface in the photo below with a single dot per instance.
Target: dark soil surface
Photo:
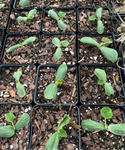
(29, 26)
(92, 93)
(8, 91)
(67, 92)
(21, 137)
(102, 140)
(45, 122)
(48, 49)
(27, 55)
(50, 25)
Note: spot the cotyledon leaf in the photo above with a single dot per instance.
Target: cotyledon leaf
(53, 14)
(100, 28)
(56, 41)
(7, 131)
(9, 117)
(13, 48)
(58, 54)
(108, 89)
(63, 122)
(20, 89)
(17, 75)
(23, 3)
(29, 40)
(32, 12)
(89, 40)
(99, 12)
(61, 25)
(22, 19)
(100, 73)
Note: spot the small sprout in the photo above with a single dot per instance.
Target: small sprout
(58, 52)
(26, 42)
(9, 131)
(110, 53)
(19, 86)
(102, 81)
(98, 16)
(29, 16)
(52, 143)
(2, 5)
(23, 3)
(51, 90)
(53, 14)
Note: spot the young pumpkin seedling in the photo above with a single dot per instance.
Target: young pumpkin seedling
(102, 81)
(51, 90)
(100, 28)
(23, 3)
(26, 42)
(29, 16)
(19, 86)
(53, 141)
(2, 5)
(9, 131)
(110, 53)
(53, 14)
(106, 112)
(58, 52)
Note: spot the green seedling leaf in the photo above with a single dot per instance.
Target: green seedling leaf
(91, 125)
(61, 25)
(92, 17)
(108, 89)
(58, 54)
(22, 122)
(32, 12)
(101, 82)
(100, 28)
(61, 14)
(9, 117)
(99, 12)
(23, 3)
(101, 75)
(117, 129)
(50, 91)
(29, 40)
(106, 112)
(63, 122)
(106, 40)
(61, 72)
(20, 89)
(109, 53)
(53, 14)
(65, 43)
(89, 40)
(22, 19)
(13, 48)
(53, 142)
(56, 41)
(7, 131)
(17, 75)
(2, 5)
(62, 133)
(59, 82)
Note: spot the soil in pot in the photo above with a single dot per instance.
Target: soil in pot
(85, 25)
(31, 26)
(67, 92)
(48, 49)
(45, 122)
(27, 55)
(92, 93)
(91, 54)
(21, 137)
(8, 90)
(102, 140)
(50, 25)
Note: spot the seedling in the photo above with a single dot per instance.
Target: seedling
(53, 14)
(9, 131)
(106, 112)
(58, 52)
(23, 3)
(110, 53)
(29, 16)
(19, 86)
(53, 141)
(2, 5)
(102, 81)
(100, 28)
(26, 42)
(51, 90)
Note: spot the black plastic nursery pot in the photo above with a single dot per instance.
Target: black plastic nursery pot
(45, 120)
(21, 138)
(1, 39)
(8, 90)
(47, 49)
(101, 139)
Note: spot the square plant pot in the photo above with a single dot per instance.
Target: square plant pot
(45, 120)
(8, 89)
(101, 139)
(1, 40)
(20, 140)
(29, 26)
(93, 93)
(66, 92)
(26, 54)
(50, 25)
(48, 49)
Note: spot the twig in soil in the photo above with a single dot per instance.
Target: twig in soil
(74, 89)
(74, 125)
(13, 100)
(114, 80)
(118, 64)
(37, 125)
